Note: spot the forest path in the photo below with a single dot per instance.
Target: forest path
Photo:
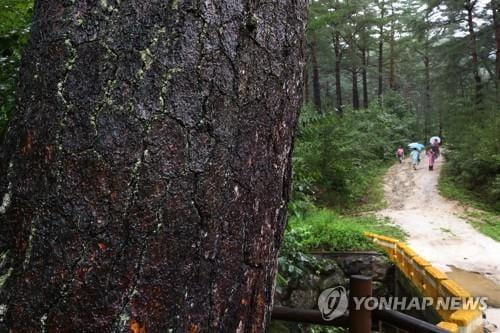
(438, 234)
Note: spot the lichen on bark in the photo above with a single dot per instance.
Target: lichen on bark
(150, 166)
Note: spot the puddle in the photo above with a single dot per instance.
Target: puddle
(477, 285)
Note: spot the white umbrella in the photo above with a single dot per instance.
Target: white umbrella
(434, 139)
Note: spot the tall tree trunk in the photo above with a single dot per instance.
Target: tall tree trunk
(427, 71)
(427, 103)
(495, 6)
(364, 77)
(469, 6)
(306, 84)
(315, 69)
(355, 94)
(146, 171)
(381, 53)
(327, 92)
(338, 60)
(440, 133)
(392, 56)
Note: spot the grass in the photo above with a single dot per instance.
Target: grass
(480, 215)
(447, 230)
(323, 229)
(374, 199)
(486, 222)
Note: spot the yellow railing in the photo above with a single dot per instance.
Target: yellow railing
(432, 283)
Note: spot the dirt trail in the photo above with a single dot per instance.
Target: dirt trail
(438, 234)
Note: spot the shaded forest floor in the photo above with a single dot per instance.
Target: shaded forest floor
(437, 232)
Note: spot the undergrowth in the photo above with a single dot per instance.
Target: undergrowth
(325, 230)
(483, 216)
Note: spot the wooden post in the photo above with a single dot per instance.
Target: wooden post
(360, 320)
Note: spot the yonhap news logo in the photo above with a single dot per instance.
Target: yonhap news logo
(333, 303)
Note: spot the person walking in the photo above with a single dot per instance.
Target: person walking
(431, 157)
(435, 148)
(415, 158)
(400, 154)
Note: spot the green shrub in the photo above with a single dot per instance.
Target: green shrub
(15, 19)
(323, 229)
(473, 155)
(336, 158)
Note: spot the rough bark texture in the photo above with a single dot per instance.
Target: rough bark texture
(469, 7)
(315, 72)
(146, 170)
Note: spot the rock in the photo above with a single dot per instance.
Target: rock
(305, 299)
(311, 281)
(380, 267)
(356, 266)
(333, 280)
(330, 266)
(380, 289)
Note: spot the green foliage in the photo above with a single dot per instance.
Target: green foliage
(15, 18)
(482, 216)
(286, 327)
(486, 222)
(323, 229)
(474, 156)
(337, 158)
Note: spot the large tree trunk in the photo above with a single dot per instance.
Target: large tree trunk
(469, 6)
(146, 171)
(364, 56)
(338, 79)
(315, 69)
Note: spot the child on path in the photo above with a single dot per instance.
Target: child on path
(415, 156)
(400, 154)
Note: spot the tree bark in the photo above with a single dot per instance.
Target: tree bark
(327, 92)
(495, 6)
(316, 84)
(306, 84)
(427, 75)
(355, 94)
(427, 103)
(364, 77)
(338, 79)
(381, 55)
(146, 171)
(469, 6)
(392, 56)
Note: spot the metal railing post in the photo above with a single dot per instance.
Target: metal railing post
(360, 320)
